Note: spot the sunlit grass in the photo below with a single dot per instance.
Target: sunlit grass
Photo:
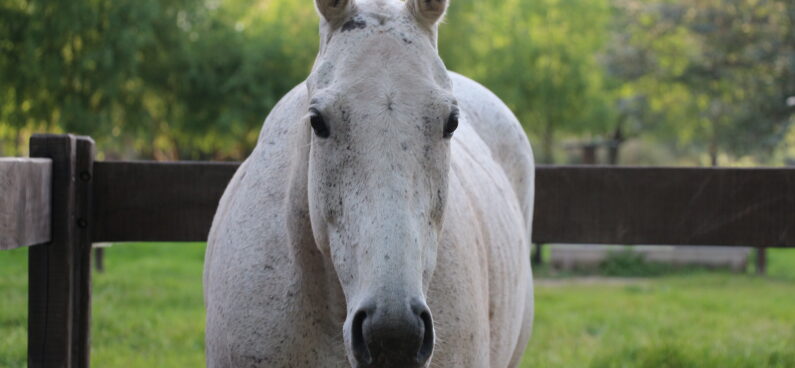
(148, 312)
(147, 307)
(706, 320)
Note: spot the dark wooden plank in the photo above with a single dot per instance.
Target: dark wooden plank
(84, 171)
(687, 206)
(147, 201)
(59, 288)
(25, 201)
(156, 201)
(50, 265)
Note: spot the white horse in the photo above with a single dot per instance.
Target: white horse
(365, 230)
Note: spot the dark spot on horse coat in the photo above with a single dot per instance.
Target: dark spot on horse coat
(355, 23)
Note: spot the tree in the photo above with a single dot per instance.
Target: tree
(163, 79)
(714, 72)
(540, 57)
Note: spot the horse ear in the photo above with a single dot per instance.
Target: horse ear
(333, 10)
(428, 12)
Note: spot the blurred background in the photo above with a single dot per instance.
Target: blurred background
(628, 82)
(652, 82)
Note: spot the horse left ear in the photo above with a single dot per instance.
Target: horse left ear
(428, 12)
(333, 10)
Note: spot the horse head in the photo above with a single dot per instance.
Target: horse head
(382, 113)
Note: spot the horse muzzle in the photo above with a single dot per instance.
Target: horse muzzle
(395, 335)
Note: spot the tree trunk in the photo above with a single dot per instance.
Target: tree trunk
(612, 153)
(536, 258)
(589, 154)
(17, 140)
(713, 153)
(614, 147)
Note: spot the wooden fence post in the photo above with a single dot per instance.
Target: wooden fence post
(761, 260)
(537, 259)
(99, 259)
(59, 288)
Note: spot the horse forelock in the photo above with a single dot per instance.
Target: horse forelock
(375, 17)
(376, 35)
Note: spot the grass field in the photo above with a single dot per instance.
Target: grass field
(147, 312)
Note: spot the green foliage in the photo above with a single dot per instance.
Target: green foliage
(163, 79)
(622, 263)
(628, 263)
(711, 73)
(540, 57)
(182, 79)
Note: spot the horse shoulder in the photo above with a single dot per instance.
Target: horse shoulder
(499, 128)
(492, 157)
(256, 310)
(261, 175)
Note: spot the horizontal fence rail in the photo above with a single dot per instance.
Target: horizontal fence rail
(665, 206)
(162, 201)
(154, 201)
(157, 201)
(25, 186)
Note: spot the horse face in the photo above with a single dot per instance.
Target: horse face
(381, 115)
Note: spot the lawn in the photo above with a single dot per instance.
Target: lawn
(147, 312)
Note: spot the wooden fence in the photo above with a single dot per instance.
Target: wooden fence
(61, 201)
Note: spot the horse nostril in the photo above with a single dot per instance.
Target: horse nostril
(360, 351)
(392, 335)
(427, 339)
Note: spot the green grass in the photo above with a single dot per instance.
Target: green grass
(699, 320)
(147, 312)
(147, 308)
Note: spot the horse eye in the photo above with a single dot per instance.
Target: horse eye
(318, 124)
(451, 125)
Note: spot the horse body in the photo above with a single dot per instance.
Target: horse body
(283, 287)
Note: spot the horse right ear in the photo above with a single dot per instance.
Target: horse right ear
(428, 12)
(333, 10)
